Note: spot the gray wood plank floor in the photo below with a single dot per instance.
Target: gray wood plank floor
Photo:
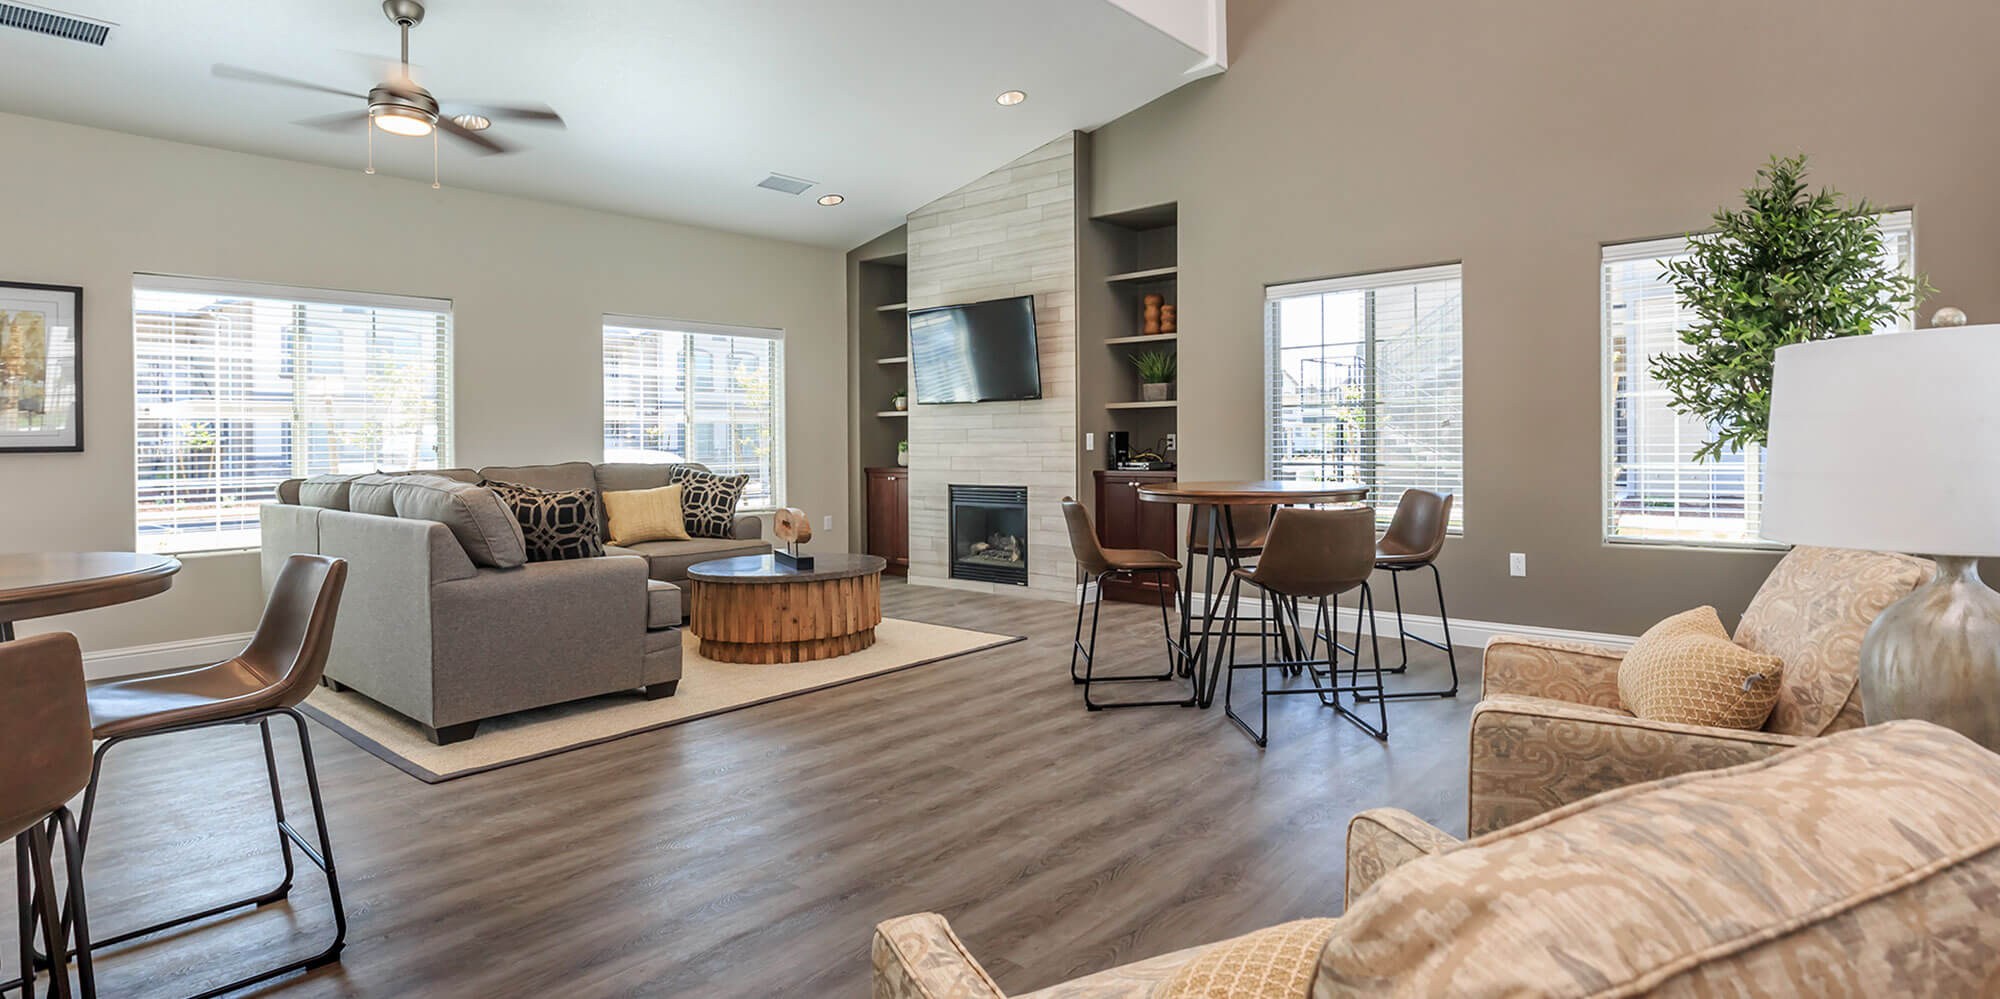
(751, 854)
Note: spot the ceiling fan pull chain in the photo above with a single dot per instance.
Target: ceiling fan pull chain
(371, 148)
(434, 159)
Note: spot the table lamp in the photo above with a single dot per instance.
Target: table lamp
(1891, 442)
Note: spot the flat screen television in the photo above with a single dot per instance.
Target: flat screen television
(982, 352)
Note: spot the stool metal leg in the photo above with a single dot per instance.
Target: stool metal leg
(1404, 635)
(1089, 652)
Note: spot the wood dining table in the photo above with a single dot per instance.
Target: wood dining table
(1217, 500)
(44, 584)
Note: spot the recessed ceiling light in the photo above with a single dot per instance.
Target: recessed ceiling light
(473, 122)
(831, 200)
(1011, 98)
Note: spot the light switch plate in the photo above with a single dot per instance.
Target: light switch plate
(1090, 442)
(1517, 564)
(826, 522)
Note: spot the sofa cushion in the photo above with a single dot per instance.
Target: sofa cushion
(564, 477)
(373, 494)
(328, 492)
(554, 525)
(1812, 612)
(1685, 670)
(622, 476)
(708, 500)
(484, 526)
(663, 604)
(1823, 870)
(632, 516)
(670, 559)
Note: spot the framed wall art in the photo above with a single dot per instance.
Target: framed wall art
(41, 367)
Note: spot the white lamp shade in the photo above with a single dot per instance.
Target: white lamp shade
(1887, 442)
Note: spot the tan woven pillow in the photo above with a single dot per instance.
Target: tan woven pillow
(1686, 670)
(636, 515)
(1276, 962)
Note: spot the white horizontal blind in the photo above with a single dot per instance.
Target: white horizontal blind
(680, 391)
(1365, 381)
(1654, 491)
(240, 386)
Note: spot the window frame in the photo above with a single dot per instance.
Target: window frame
(661, 324)
(1369, 281)
(300, 452)
(1900, 220)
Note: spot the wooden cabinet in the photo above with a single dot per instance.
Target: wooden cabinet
(888, 502)
(1126, 521)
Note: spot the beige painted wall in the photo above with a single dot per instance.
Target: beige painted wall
(528, 282)
(1357, 136)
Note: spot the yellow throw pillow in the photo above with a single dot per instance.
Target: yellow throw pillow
(1276, 962)
(1686, 670)
(638, 515)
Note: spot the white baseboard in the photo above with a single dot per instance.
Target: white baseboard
(1465, 633)
(165, 655)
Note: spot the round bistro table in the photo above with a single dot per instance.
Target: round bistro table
(44, 584)
(751, 609)
(1216, 500)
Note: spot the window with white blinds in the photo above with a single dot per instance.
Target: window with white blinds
(680, 391)
(240, 386)
(1654, 490)
(1365, 383)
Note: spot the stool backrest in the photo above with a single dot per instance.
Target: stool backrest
(1418, 530)
(295, 634)
(1318, 553)
(44, 729)
(1083, 539)
(1250, 523)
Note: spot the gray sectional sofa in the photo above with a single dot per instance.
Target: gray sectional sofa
(432, 628)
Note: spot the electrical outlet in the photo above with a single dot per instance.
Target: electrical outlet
(1090, 442)
(826, 522)
(1517, 564)
(1173, 442)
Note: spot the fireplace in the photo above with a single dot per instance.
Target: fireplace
(989, 534)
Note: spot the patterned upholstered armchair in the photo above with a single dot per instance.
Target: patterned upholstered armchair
(1549, 729)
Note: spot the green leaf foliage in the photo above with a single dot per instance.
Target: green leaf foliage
(1788, 267)
(1156, 366)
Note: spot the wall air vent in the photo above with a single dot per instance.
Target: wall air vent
(788, 185)
(48, 22)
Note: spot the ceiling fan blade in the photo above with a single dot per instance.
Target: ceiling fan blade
(228, 72)
(530, 114)
(482, 143)
(345, 121)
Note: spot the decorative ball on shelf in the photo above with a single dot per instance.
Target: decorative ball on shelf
(1948, 316)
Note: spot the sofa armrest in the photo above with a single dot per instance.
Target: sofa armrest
(919, 957)
(748, 527)
(1530, 755)
(1564, 671)
(1380, 840)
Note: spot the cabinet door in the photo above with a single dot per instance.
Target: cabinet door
(1158, 527)
(881, 516)
(1118, 512)
(899, 505)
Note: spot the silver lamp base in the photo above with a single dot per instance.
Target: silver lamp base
(1935, 655)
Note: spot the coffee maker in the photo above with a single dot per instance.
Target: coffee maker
(1117, 448)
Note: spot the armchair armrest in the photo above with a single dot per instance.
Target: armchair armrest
(1380, 840)
(919, 957)
(1576, 672)
(748, 527)
(1531, 754)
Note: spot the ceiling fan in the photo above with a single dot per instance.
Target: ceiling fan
(400, 107)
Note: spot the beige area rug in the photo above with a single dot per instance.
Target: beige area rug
(707, 688)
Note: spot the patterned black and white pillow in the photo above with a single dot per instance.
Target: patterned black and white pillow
(556, 525)
(708, 500)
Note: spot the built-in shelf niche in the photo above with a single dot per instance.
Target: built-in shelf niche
(1126, 256)
(884, 288)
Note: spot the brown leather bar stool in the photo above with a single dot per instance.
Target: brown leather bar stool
(1411, 544)
(1100, 564)
(1312, 555)
(44, 762)
(1248, 527)
(266, 681)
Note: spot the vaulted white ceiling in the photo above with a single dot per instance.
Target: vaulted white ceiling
(675, 108)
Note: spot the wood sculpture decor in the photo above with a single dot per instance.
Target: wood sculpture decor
(794, 528)
(1167, 324)
(1153, 314)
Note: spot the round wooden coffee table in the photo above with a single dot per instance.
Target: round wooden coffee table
(754, 610)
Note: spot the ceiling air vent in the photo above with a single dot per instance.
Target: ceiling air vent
(787, 185)
(48, 22)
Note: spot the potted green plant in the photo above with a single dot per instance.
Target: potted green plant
(903, 453)
(1788, 267)
(1157, 369)
(901, 400)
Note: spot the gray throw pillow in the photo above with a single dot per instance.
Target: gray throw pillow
(483, 524)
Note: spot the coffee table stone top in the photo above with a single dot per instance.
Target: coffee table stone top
(765, 569)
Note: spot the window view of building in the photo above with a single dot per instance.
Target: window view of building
(1365, 379)
(1654, 490)
(240, 386)
(697, 392)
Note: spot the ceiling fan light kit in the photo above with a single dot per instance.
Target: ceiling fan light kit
(400, 107)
